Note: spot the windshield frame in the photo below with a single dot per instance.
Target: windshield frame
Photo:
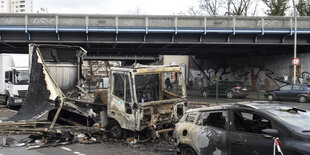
(25, 73)
(161, 83)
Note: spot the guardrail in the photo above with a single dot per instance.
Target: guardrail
(150, 24)
(174, 25)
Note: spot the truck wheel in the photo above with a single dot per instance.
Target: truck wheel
(115, 130)
(302, 99)
(187, 151)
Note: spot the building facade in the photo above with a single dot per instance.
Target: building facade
(16, 6)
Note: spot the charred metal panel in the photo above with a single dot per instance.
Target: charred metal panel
(63, 65)
(54, 70)
(211, 141)
(205, 132)
(64, 74)
(39, 93)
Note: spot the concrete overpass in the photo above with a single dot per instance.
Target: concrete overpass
(143, 37)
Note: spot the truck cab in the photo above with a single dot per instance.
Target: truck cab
(144, 98)
(16, 85)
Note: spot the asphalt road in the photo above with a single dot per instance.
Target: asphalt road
(112, 147)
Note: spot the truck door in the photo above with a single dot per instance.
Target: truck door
(121, 100)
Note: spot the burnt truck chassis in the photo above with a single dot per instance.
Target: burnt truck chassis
(137, 101)
(55, 88)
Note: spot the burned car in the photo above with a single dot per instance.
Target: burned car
(244, 129)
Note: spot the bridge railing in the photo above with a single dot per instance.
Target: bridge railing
(146, 23)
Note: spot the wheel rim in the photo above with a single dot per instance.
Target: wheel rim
(230, 94)
(204, 94)
(270, 97)
(188, 152)
(302, 99)
(116, 132)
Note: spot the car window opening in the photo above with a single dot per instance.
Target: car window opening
(252, 123)
(191, 117)
(214, 119)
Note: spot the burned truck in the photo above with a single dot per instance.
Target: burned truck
(144, 99)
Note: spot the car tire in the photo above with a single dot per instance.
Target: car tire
(187, 151)
(230, 94)
(204, 93)
(302, 99)
(270, 97)
(114, 130)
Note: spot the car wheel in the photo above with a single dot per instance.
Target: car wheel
(230, 94)
(188, 151)
(115, 130)
(204, 94)
(302, 99)
(270, 97)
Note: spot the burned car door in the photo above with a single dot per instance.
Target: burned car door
(211, 138)
(245, 137)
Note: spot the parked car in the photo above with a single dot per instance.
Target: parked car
(289, 92)
(226, 88)
(243, 129)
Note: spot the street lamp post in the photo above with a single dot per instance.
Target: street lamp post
(295, 39)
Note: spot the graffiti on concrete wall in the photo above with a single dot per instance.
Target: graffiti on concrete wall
(305, 78)
(249, 75)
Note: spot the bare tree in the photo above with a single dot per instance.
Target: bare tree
(240, 7)
(224, 7)
(303, 7)
(276, 7)
(193, 11)
(228, 12)
(211, 7)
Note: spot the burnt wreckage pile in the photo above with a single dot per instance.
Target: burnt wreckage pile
(137, 102)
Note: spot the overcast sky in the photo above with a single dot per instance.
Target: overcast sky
(158, 7)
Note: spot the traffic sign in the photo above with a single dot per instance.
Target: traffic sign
(296, 61)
